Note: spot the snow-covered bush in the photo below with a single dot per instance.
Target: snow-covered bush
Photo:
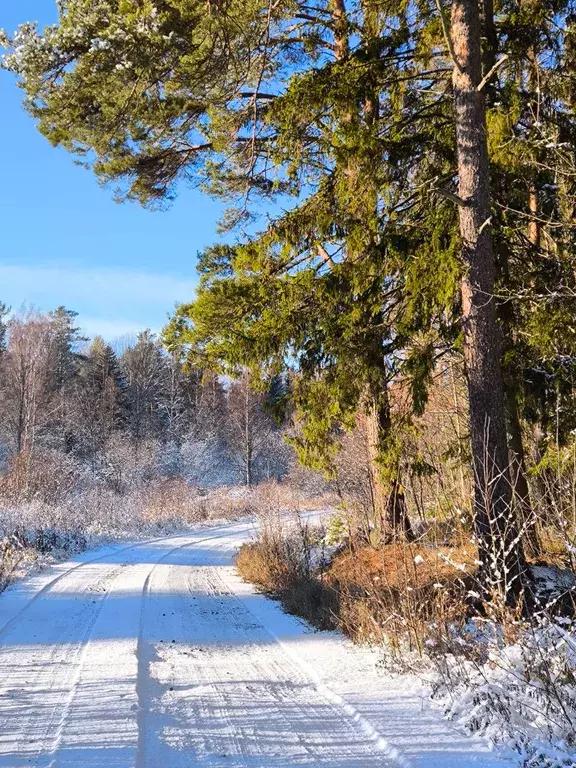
(521, 695)
(204, 463)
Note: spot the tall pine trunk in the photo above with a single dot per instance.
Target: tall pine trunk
(496, 531)
(521, 491)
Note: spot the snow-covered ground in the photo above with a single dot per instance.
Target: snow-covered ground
(157, 655)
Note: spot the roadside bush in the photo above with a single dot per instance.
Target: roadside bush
(521, 694)
(281, 563)
(10, 557)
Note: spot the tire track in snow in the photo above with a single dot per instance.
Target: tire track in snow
(52, 583)
(66, 655)
(348, 710)
(116, 551)
(267, 671)
(85, 647)
(217, 734)
(144, 654)
(289, 679)
(60, 658)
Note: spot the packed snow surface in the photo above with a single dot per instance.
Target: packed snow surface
(157, 655)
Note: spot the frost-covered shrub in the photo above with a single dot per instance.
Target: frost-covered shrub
(168, 461)
(205, 464)
(46, 476)
(11, 552)
(522, 695)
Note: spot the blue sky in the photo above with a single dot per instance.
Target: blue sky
(63, 240)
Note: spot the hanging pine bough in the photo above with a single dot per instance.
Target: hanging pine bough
(425, 154)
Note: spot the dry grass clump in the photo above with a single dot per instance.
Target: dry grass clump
(281, 567)
(400, 592)
(256, 566)
(396, 594)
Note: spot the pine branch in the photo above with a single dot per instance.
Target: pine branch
(450, 196)
(492, 70)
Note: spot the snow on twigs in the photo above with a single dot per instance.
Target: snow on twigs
(521, 695)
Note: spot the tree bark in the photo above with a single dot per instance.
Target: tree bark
(340, 20)
(533, 224)
(499, 549)
(390, 510)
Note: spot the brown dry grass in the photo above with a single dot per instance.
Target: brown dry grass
(390, 594)
(169, 500)
(256, 566)
(393, 594)
(397, 566)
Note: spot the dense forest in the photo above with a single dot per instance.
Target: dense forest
(129, 417)
(396, 294)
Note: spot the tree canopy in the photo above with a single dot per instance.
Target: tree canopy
(424, 157)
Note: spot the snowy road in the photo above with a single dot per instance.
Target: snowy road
(158, 656)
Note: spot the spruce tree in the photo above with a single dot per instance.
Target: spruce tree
(66, 339)
(100, 397)
(142, 366)
(389, 126)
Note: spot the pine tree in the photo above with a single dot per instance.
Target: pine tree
(496, 527)
(100, 398)
(143, 368)
(348, 107)
(67, 337)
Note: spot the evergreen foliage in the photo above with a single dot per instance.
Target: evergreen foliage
(368, 121)
(143, 368)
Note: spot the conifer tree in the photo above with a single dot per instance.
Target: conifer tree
(64, 367)
(100, 397)
(142, 366)
(389, 126)
(66, 338)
